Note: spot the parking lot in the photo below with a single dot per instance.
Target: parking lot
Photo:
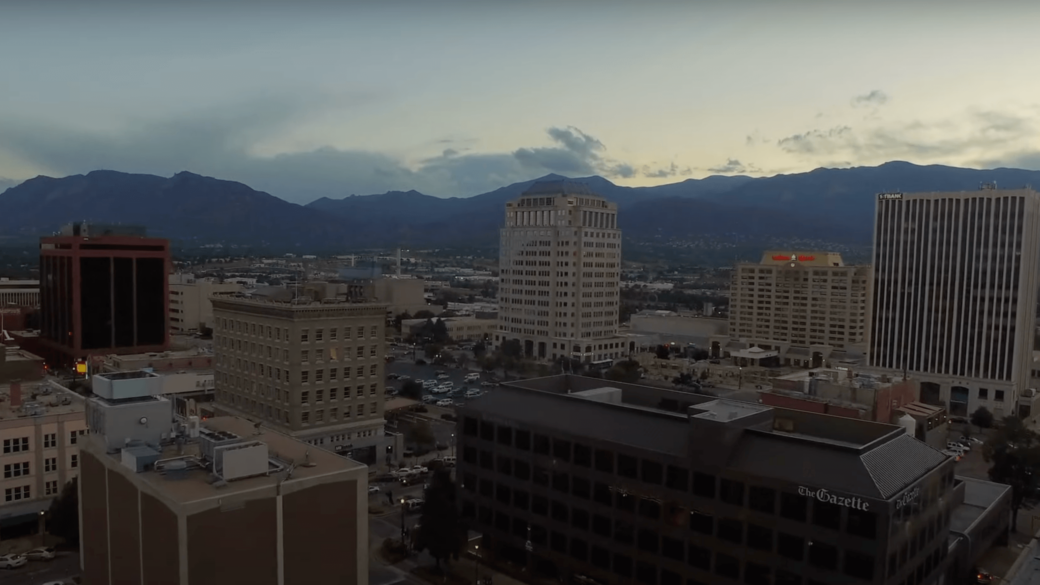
(457, 376)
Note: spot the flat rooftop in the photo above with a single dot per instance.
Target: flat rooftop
(866, 458)
(196, 484)
(52, 401)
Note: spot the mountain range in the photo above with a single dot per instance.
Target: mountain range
(833, 205)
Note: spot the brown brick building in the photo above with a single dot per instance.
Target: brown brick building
(177, 515)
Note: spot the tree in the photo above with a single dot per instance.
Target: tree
(705, 373)
(441, 530)
(399, 319)
(424, 314)
(63, 515)
(626, 371)
(421, 435)
(683, 380)
(411, 389)
(512, 348)
(431, 350)
(479, 349)
(1014, 451)
(982, 418)
(440, 331)
(662, 352)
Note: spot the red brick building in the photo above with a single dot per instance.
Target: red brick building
(839, 393)
(103, 290)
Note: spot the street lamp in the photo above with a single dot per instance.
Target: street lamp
(740, 377)
(453, 445)
(476, 567)
(403, 541)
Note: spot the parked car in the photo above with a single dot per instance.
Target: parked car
(954, 446)
(487, 384)
(12, 561)
(373, 489)
(45, 553)
(419, 469)
(444, 403)
(413, 504)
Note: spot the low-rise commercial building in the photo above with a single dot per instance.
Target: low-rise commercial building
(459, 328)
(41, 429)
(19, 293)
(190, 308)
(625, 483)
(219, 502)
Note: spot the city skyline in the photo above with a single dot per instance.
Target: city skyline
(463, 98)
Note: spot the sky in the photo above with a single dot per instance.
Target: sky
(307, 99)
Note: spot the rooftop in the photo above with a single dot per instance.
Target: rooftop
(195, 484)
(979, 496)
(870, 459)
(50, 401)
(559, 188)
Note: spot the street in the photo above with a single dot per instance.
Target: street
(64, 567)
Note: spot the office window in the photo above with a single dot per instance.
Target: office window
(702, 523)
(346, 373)
(647, 540)
(826, 514)
(332, 333)
(541, 444)
(790, 546)
(319, 335)
(305, 397)
(470, 426)
(762, 499)
(333, 413)
(333, 393)
(319, 355)
(783, 577)
(523, 440)
(50, 440)
(861, 523)
(50, 464)
(646, 573)
(600, 557)
(759, 537)
(522, 470)
(487, 431)
(859, 565)
(562, 449)
(670, 578)
(582, 455)
(823, 555)
(305, 417)
(305, 376)
(653, 472)
(673, 548)
(50, 488)
(319, 376)
(677, 478)
(703, 485)
(727, 566)
(521, 500)
(360, 332)
(627, 466)
(731, 530)
(319, 416)
(793, 507)
(16, 469)
(74, 461)
(699, 557)
(505, 435)
(373, 351)
(604, 461)
(731, 492)
(559, 511)
(503, 494)
(622, 565)
(579, 549)
(540, 505)
(756, 574)
(373, 389)
(581, 488)
(304, 335)
(360, 354)
(16, 493)
(601, 494)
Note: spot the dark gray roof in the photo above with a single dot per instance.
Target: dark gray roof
(559, 188)
(898, 463)
(660, 432)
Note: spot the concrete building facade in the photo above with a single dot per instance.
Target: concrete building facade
(459, 328)
(955, 294)
(223, 503)
(190, 308)
(560, 267)
(313, 370)
(632, 484)
(41, 430)
(808, 306)
(19, 293)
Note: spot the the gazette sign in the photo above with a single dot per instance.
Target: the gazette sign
(907, 498)
(826, 496)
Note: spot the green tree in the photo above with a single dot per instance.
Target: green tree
(625, 371)
(431, 350)
(421, 435)
(982, 418)
(399, 319)
(411, 389)
(63, 515)
(479, 349)
(1014, 452)
(441, 531)
(512, 348)
(440, 331)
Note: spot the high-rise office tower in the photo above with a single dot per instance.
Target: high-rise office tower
(560, 265)
(955, 293)
(314, 370)
(103, 290)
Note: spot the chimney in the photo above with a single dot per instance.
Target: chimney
(16, 394)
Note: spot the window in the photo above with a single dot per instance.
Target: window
(677, 478)
(523, 440)
(305, 418)
(998, 395)
(50, 440)
(790, 546)
(823, 555)
(305, 397)
(304, 335)
(653, 472)
(505, 435)
(305, 376)
(703, 485)
(360, 353)
(319, 416)
(562, 450)
(759, 537)
(727, 566)
(319, 334)
(983, 394)
(622, 565)
(787, 578)
(756, 574)
(74, 462)
(826, 514)
(372, 370)
(731, 492)
(673, 548)
(582, 455)
(50, 464)
(762, 499)
(319, 376)
(333, 412)
(346, 333)
(16, 469)
(604, 461)
(861, 523)
(16, 493)
(373, 351)
(541, 444)
(374, 409)
(627, 466)
(333, 393)
(859, 565)
(332, 333)
(699, 557)
(793, 507)
(360, 332)
(51, 488)
(373, 389)
(701, 522)
(731, 530)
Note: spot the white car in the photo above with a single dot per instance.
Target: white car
(951, 446)
(419, 469)
(12, 561)
(373, 489)
(445, 402)
(43, 553)
(443, 377)
(429, 399)
(954, 454)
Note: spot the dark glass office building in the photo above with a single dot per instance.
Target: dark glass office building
(620, 483)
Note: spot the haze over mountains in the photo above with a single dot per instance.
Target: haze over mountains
(834, 205)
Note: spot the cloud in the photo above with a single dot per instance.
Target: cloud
(671, 170)
(874, 98)
(221, 142)
(977, 138)
(734, 166)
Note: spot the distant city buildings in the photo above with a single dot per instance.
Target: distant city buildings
(19, 293)
(808, 307)
(103, 290)
(560, 266)
(314, 370)
(220, 501)
(470, 328)
(190, 308)
(955, 294)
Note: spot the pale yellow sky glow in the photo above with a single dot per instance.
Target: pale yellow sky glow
(461, 98)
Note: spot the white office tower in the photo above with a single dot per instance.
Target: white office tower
(560, 264)
(955, 294)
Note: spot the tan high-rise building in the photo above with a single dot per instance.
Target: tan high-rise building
(560, 274)
(190, 308)
(314, 370)
(809, 307)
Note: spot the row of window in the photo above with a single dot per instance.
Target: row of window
(50, 441)
(277, 333)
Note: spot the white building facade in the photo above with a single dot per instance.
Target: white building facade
(560, 266)
(955, 293)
